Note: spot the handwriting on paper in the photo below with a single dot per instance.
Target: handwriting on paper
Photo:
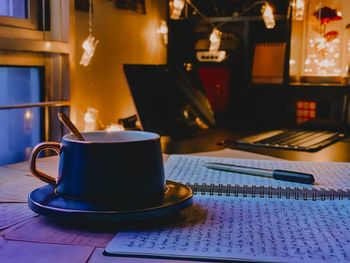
(221, 227)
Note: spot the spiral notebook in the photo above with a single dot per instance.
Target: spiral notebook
(231, 220)
(332, 179)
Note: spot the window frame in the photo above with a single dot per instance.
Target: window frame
(51, 89)
(31, 22)
(24, 42)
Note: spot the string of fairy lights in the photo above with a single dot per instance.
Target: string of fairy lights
(176, 12)
(177, 8)
(89, 43)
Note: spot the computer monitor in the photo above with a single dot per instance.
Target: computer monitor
(168, 100)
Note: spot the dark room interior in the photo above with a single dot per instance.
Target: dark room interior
(174, 130)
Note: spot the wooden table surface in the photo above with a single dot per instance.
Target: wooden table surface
(27, 237)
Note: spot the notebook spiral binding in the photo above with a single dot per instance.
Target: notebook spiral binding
(263, 191)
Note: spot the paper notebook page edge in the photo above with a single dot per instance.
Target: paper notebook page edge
(328, 175)
(232, 153)
(274, 160)
(174, 256)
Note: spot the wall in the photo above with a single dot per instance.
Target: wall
(124, 37)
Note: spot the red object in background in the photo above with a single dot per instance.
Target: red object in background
(216, 83)
(305, 110)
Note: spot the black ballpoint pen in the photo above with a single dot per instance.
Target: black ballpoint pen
(277, 174)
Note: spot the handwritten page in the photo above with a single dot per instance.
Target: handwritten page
(226, 228)
(185, 168)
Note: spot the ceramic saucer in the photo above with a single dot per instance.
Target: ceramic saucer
(45, 201)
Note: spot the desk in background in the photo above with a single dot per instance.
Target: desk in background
(211, 141)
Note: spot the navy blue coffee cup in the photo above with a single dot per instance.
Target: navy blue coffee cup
(122, 169)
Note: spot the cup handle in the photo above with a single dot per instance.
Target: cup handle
(34, 155)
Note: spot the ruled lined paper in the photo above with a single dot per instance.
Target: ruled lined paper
(180, 168)
(224, 228)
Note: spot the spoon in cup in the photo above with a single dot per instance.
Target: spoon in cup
(68, 123)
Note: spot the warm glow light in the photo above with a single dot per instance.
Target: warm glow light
(28, 120)
(89, 46)
(115, 127)
(324, 42)
(90, 119)
(185, 113)
(176, 7)
(28, 115)
(323, 61)
(90, 43)
(201, 124)
(215, 40)
(298, 9)
(163, 31)
(179, 4)
(268, 17)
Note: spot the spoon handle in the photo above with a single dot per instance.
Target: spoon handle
(67, 122)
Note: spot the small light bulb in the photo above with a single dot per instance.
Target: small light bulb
(90, 119)
(28, 115)
(268, 17)
(179, 4)
(176, 7)
(298, 9)
(215, 40)
(89, 46)
(163, 30)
